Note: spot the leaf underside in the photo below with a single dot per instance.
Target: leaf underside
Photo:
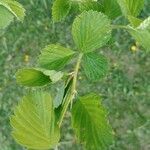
(33, 122)
(90, 123)
(91, 30)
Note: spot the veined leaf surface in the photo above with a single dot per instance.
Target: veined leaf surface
(90, 123)
(89, 5)
(60, 9)
(54, 57)
(37, 77)
(111, 8)
(131, 7)
(91, 30)
(32, 77)
(34, 123)
(94, 65)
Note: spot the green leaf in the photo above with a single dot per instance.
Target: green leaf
(55, 57)
(90, 123)
(33, 122)
(94, 65)
(145, 25)
(91, 30)
(111, 8)
(135, 22)
(54, 75)
(60, 95)
(89, 5)
(37, 77)
(131, 7)
(15, 8)
(32, 77)
(142, 33)
(8, 10)
(60, 9)
(5, 17)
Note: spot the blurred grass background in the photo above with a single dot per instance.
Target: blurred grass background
(125, 91)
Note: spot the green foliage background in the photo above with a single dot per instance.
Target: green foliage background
(125, 90)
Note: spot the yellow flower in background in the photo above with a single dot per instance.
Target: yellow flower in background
(26, 58)
(134, 48)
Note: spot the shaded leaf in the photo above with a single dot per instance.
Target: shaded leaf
(94, 65)
(60, 95)
(54, 57)
(60, 9)
(91, 30)
(34, 123)
(90, 123)
(32, 77)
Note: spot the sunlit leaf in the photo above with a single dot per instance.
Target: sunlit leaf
(91, 30)
(90, 123)
(94, 65)
(55, 57)
(33, 122)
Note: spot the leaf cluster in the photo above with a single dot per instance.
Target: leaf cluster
(38, 118)
(90, 30)
(113, 9)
